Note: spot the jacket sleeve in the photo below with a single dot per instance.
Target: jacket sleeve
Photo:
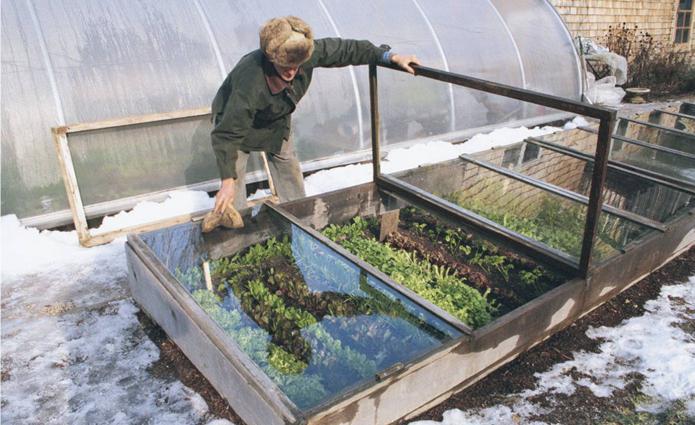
(337, 52)
(229, 132)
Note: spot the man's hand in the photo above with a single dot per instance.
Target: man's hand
(405, 61)
(224, 196)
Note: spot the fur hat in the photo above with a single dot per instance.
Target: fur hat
(287, 41)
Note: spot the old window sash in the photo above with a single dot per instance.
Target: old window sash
(683, 21)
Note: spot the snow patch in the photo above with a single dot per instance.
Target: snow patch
(653, 345)
(89, 367)
(578, 121)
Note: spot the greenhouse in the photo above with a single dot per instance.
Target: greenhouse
(69, 63)
(437, 258)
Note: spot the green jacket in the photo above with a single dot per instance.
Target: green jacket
(253, 107)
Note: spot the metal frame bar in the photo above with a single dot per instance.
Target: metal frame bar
(642, 143)
(607, 119)
(614, 165)
(661, 127)
(567, 194)
(677, 114)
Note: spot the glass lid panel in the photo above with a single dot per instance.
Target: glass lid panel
(658, 136)
(536, 213)
(628, 192)
(317, 324)
(665, 163)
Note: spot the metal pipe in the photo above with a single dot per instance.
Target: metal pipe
(678, 114)
(613, 165)
(567, 194)
(525, 95)
(642, 143)
(661, 127)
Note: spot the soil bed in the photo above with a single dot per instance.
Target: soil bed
(510, 279)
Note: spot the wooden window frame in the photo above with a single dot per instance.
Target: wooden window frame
(67, 169)
(682, 32)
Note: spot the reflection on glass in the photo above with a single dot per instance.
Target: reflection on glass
(315, 323)
(621, 190)
(520, 207)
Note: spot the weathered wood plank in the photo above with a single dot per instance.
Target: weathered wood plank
(134, 120)
(388, 223)
(72, 189)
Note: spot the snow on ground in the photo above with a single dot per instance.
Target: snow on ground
(654, 345)
(74, 352)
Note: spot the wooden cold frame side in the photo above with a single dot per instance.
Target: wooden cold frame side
(67, 169)
(252, 395)
(429, 382)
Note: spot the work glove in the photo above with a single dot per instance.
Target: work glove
(229, 218)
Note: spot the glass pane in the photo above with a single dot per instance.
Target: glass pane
(115, 163)
(687, 108)
(621, 190)
(522, 208)
(665, 163)
(657, 136)
(314, 322)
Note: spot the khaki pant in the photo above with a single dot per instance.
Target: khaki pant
(284, 169)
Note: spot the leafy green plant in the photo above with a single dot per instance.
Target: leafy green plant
(261, 299)
(436, 284)
(556, 224)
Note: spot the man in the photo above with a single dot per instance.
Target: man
(252, 108)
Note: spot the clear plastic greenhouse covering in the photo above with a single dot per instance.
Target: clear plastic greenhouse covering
(67, 62)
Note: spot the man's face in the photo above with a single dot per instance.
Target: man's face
(287, 73)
